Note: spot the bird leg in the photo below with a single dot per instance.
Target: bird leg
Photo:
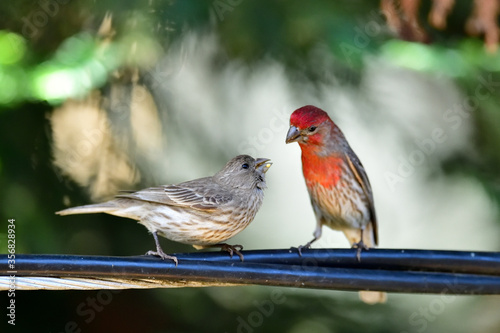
(232, 249)
(316, 234)
(307, 246)
(360, 246)
(159, 252)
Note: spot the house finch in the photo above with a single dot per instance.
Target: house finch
(340, 192)
(202, 212)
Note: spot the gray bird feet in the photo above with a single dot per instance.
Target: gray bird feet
(232, 249)
(159, 252)
(307, 246)
(162, 255)
(302, 247)
(360, 246)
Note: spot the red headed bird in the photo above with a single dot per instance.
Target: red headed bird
(340, 192)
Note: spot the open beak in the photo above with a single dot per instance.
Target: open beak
(293, 134)
(263, 164)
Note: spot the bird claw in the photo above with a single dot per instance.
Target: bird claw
(360, 246)
(232, 249)
(163, 256)
(301, 247)
(159, 252)
(307, 246)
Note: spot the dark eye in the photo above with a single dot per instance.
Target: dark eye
(245, 166)
(312, 128)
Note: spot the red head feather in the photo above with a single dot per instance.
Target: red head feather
(308, 115)
(324, 150)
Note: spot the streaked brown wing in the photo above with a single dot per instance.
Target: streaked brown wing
(200, 199)
(189, 194)
(151, 194)
(359, 172)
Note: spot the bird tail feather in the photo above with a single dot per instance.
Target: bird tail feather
(105, 207)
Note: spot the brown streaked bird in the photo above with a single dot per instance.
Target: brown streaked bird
(203, 212)
(341, 195)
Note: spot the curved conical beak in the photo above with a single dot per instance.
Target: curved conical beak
(263, 164)
(293, 135)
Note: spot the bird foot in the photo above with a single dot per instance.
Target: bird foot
(232, 249)
(308, 245)
(360, 246)
(159, 252)
(302, 247)
(163, 256)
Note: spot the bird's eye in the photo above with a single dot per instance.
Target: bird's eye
(312, 128)
(245, 166)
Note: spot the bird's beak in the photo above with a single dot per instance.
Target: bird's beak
(293, 134)
(263, 164)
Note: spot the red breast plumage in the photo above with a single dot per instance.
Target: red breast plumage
(337, 182)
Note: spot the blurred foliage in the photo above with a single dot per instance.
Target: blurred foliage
(53, 50)
(75, 62)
